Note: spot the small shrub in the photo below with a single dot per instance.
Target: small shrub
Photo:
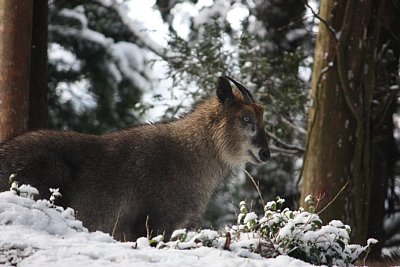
(299, 234)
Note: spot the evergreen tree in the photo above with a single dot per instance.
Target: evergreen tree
(98, 89)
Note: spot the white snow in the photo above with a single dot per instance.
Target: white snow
(37, 233)
(177, 233)
(218, 11)
(250, 216)
(135, 29)
(372, 241)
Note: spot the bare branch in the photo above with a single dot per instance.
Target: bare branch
(284, 144)
(297, 128)
(281, 151)
(256, 185)
(329, 27)
(337, 195)
(116, 222)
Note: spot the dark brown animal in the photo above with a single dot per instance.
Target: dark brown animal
(166, 172)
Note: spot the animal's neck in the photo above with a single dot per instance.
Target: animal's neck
(197, 134)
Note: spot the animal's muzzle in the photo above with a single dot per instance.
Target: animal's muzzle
(264, 154)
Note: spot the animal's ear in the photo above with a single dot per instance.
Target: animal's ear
(224, 91)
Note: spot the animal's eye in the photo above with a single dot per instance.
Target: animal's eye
(246, 119)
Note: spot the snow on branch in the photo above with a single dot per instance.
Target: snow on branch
(126, 60)
(141, 35)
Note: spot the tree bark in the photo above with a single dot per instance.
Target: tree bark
(330, 142)
(15, 50)
(342, 118)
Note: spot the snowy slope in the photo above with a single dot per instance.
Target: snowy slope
(37, 233)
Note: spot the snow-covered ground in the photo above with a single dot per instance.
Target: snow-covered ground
(37, 233)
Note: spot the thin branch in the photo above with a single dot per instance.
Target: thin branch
(148, 231)
(284, 144)
(329, 27)
(255, 184)
(279, 150)
(116, 222)
(337, 195)
(299, 129)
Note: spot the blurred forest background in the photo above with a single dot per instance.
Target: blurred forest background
(327, 73)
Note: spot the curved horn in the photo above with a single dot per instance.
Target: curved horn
(247, 97)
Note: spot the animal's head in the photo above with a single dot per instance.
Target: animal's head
(245, 139)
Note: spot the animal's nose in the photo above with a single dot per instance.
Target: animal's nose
(264, 154)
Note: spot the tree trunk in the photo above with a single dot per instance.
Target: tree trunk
(330, 142)
(38, 111)
(342, 118)
(15, 49)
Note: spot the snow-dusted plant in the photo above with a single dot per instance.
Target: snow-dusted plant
(44, 206)
(299, 234)
(23, 190)
(55, 193)
(184, 239)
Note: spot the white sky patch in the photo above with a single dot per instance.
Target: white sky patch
(146, 16)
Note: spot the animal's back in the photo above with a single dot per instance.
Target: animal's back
(83, 167)
(115, 180)
(43, 158)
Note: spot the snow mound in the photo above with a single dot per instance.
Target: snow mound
(39, 233)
